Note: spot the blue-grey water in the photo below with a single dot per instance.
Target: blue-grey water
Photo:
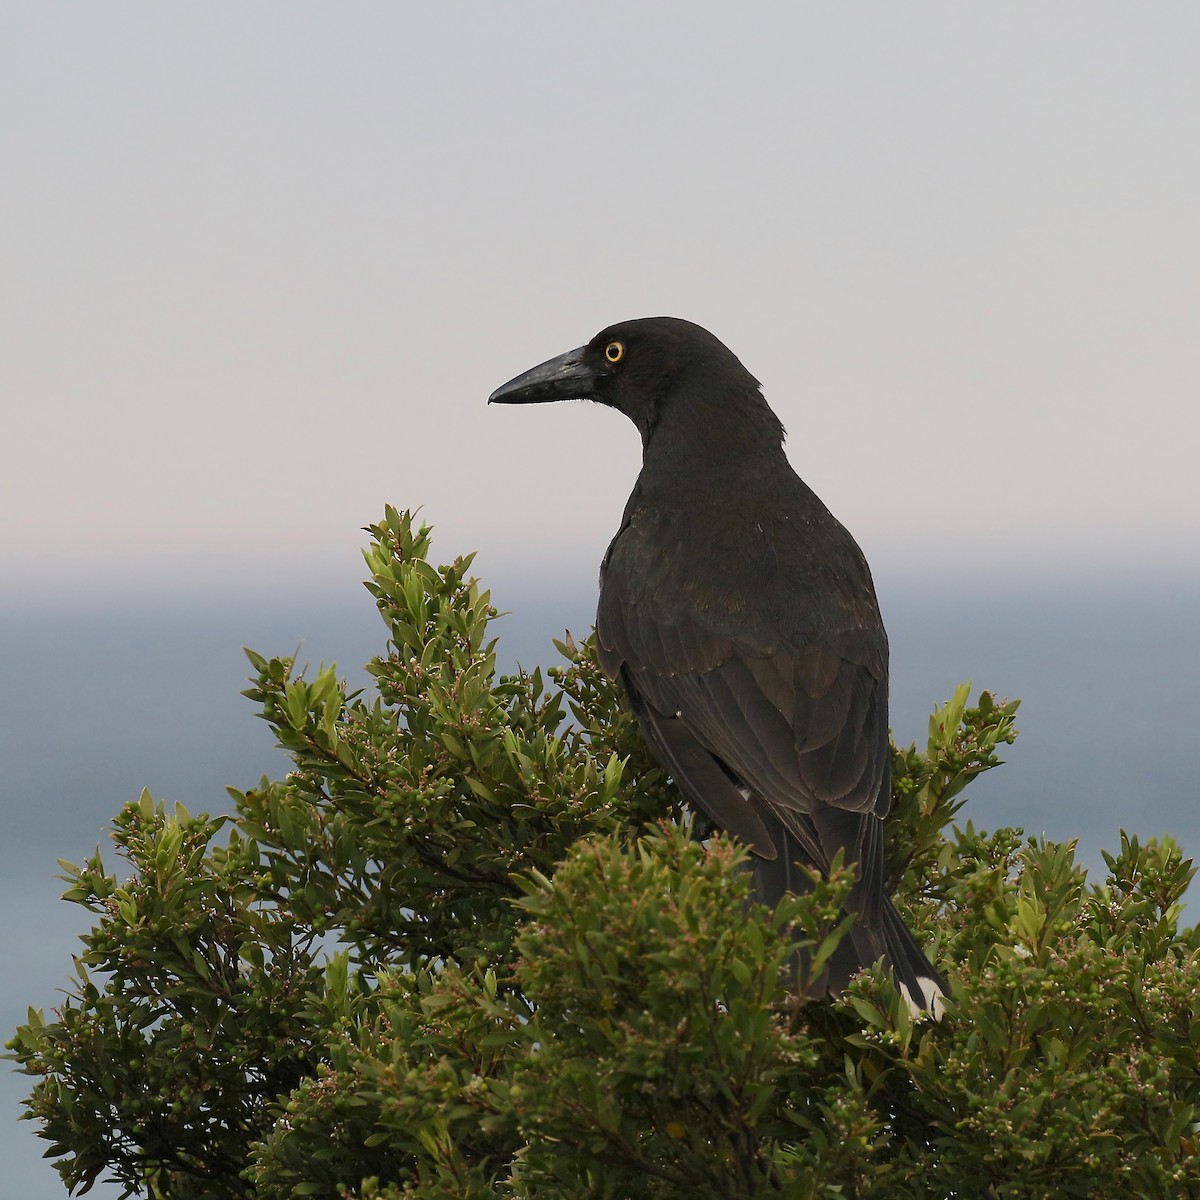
(98, 702)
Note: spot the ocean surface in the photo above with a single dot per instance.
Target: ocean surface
(100, 701)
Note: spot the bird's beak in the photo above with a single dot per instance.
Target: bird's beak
(567, 377)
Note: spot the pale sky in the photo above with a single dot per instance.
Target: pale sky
(262, 265)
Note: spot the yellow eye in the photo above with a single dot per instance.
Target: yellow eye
(614, 351)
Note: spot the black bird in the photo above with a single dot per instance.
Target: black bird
(741, 619)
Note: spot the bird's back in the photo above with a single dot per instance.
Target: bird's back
(753, 616)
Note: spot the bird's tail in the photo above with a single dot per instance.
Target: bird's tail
(888, 938)
(893, 942)
(918, 981)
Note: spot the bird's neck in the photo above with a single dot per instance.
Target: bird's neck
(703, 437)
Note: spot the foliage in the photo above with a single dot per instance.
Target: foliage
(470, 946)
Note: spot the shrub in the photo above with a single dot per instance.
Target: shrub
(470, 946)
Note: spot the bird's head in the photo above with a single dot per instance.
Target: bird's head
(639, 367)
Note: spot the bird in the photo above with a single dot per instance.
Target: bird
(741, 620)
